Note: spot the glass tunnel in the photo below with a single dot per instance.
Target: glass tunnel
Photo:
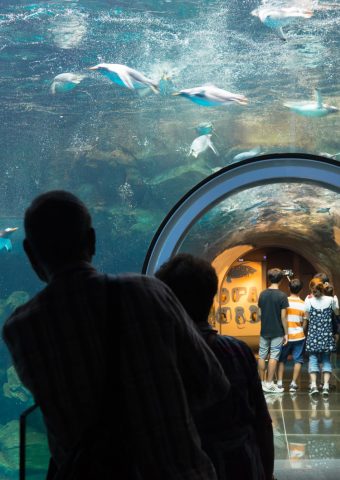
(272, 211)
(248, 182)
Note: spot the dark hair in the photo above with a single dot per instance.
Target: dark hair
(323, 277)
(56, 226)
(316, 287)
(295, 285)
(194, 282)
(275, 275)
(328, 289)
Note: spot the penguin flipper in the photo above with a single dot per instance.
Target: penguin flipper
(318, 98)
(280, 34)
(213, 148)
(126, 79)
(154, 88)
(5, 243)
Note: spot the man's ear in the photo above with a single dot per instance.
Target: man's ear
(37, 267)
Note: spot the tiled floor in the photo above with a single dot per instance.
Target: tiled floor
(306, 433)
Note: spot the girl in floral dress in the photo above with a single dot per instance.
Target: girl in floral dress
(320, 338)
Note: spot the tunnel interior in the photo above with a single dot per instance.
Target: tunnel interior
(234, 310)
(300, 217)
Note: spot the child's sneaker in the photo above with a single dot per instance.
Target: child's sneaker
(325, 391)
(313, 390)
(293, 387)
(272, 388)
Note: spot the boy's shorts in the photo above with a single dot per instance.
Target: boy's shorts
(271, 346)
(295, 348)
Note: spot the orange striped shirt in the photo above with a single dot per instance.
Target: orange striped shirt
(295, 314)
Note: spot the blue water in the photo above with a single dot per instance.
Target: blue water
(126, 154)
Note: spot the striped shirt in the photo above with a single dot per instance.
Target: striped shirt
(295, 314)
(78, 340)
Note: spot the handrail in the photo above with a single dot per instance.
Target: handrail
(22, 441)
(34, 452)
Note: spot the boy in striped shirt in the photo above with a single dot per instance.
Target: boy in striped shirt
(296, 335)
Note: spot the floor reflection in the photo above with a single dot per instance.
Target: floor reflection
(306, 434)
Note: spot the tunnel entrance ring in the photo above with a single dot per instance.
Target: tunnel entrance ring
(214, 189)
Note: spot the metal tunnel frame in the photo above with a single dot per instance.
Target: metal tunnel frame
(249, 173)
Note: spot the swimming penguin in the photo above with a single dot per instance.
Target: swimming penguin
(277, 17)
(249, 154)
(5, 241)
(64, 82)
(125, 76)
(311, 109)
(211, 96)
(200, 144)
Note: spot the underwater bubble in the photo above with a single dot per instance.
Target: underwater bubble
(126, 194)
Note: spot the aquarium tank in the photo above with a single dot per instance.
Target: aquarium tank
(130, 104)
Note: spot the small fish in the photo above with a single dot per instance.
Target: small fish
(312, 109)
(5, 241)
(240, 271)
(125, 76)
(64, 82)
(262, 203)
(211, 96)
(294, 208)
(249, 154)
(200, 144)
(204, 128)
(277, 17)
(324, 210)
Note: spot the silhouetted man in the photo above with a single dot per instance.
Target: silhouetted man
(237, 434)
(87, 333)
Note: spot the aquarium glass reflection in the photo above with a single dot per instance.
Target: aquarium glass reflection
(212, 82)
(302, 217)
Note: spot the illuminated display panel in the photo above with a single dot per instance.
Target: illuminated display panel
(236, 309)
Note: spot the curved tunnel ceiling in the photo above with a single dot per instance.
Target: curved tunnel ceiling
(289, 201)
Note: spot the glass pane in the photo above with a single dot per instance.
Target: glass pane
(14, 398)
(130, 154)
